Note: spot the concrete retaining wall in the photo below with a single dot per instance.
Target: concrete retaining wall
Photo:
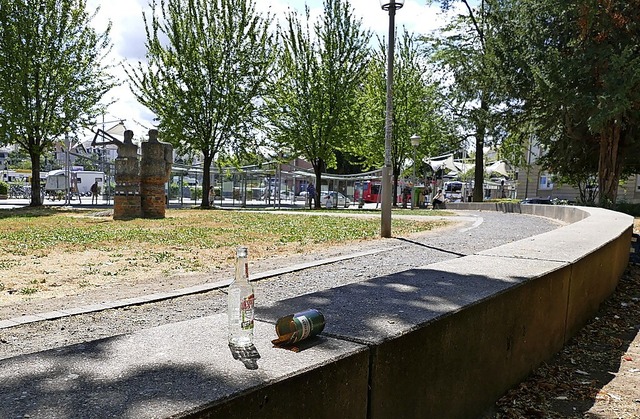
(439, 341)
(448, 339)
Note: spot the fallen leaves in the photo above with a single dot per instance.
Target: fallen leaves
(574, 383)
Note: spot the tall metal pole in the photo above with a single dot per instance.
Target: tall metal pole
(415, 153)
(387, 196)
(67, 169)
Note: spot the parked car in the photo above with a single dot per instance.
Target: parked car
(287, 196)
(339, 200)
(545, 201)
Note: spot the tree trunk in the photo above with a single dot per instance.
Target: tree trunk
(317, 169)
(396, 176)
(478, 177)
(609, 166)
(36, 197)
(206, 181)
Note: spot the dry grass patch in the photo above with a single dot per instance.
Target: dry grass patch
(56, 252)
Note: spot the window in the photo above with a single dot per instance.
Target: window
(546, 182)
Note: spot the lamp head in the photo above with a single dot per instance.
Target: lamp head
(388, 4)
(415, 140)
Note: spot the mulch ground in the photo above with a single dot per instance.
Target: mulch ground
(596, 375)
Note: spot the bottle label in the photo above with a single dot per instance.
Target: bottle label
(246, 312)
(299, 326)
(305, 326)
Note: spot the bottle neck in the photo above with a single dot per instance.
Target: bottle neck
(242, 269)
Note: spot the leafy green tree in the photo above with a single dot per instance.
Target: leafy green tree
(208, 65)
(87, 163)
(51, 75)
(312, 109)
(464, 53)
(608, 48)
(18, 159)
(417, 109)
(578, 84)
(574, 161)
(467, 53)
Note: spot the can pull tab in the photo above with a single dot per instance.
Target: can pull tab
(297, 327)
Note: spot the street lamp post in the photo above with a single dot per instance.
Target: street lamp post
(415, 142)
(67, 169)
(385, 224)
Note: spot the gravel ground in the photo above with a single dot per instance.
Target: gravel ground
(476, 232)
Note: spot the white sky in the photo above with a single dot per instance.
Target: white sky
(128, 37)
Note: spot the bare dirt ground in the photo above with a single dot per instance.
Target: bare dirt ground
(59, 280)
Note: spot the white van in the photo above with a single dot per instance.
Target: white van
(83, 179)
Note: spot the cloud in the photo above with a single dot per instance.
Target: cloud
(128, 37)
(128, 31)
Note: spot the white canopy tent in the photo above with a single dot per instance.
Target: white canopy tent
(447, 162)
(441, 162)
(498, 167)
(459, 166)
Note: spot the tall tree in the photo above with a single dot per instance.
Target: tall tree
(608, 47)
(464, 51)
(52, 75)
(208, 65)
(578, 67)
(312, 109)
(418, 109)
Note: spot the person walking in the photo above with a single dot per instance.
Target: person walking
(94, 192)
(311, 194)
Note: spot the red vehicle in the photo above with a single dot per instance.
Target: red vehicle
(370, 192)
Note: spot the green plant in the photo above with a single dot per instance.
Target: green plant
(174, 190)
(196, 192)
(4, 188)
(161, 256)
(28, 291)
(628, 208)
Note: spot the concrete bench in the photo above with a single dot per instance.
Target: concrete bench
(442, 340)
(182, 370)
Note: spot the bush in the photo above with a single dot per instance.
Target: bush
(196, 193)
(174, 190)
(628, 208)
(4, 188)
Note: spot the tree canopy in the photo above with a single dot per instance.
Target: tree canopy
(52, 75)
(208, 64)
(575, 73)
(312, 109)
(463, 53)
(417, 109)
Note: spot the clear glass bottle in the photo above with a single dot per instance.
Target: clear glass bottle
(240, 303)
